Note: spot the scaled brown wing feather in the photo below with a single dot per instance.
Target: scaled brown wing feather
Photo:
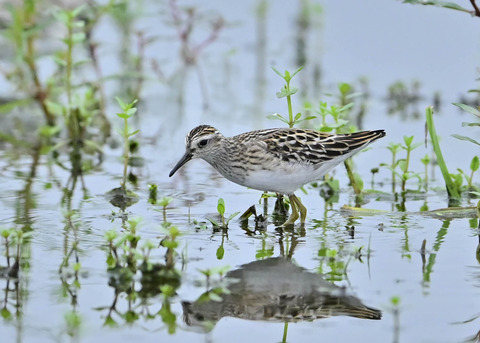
(296, 145)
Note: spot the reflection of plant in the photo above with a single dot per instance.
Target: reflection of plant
(211, 272)
(334, 262)
(425, 161)
(395, 308)
(128, 255)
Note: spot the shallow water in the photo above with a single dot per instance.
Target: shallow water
(371, 256)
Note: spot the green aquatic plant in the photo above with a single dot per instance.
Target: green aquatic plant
(452, 184)
(128, 111)
(152, 194)
(70, 108)
(476, 113)
(23, 33)
(425, 161)
(474, 165)
(164, 202)
(404, 164)
(394, 148)
(286, 92)
(170, 241)
(221, 211)
(447, 4)
(336, 112)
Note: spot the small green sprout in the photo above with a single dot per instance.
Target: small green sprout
(221, 212)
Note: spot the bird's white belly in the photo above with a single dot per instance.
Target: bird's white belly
(280, 180)
(286, 178)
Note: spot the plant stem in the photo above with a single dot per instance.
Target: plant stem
(451, 188)
(285, 332)
(40, 93)
(289, 103)
(405, 170)
(126, 149)
(348, 166)
(394, 176)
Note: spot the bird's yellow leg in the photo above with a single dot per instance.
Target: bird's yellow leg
(302, 209)
(294, 216)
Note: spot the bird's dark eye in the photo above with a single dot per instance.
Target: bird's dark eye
(202, 143)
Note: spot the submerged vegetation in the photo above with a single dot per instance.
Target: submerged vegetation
(74, 117)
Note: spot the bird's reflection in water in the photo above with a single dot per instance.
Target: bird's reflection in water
(276, 289)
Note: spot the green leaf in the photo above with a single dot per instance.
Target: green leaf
(278, 73)
(474, 164)
(5, 313)
(416, 145)
(133, 133)
(345, 108)
(468, 109)
(164, 201)
(408, 140)
(121, 103)
(464, 138)
(111, 261)
(215, 297)
(55, 108)
(76, 11)
(293, 90)
(296, 72)
(10, 105)
(344, 87)
(131, 111)
(233, 215)
(458, 179)
(358, 180)
(78, 37)
(170, 244)
(395, 300)
(425, 160)
(214, 222)
(221, 206)
(130, 316)
(437, 3)
(277, 116)
(110, 322)
(220, 252)
(62, 16)
(470, 124)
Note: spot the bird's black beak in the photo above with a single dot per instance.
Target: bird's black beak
(185, 158)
